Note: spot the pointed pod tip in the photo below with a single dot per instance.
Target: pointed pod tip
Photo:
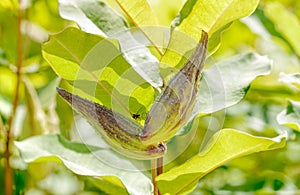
(64, 94)
(204, 37)
(60, 90)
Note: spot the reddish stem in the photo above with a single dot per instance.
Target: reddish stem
(9, 134)
(156, 170)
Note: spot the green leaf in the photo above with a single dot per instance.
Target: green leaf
(9, 88)
(1, 124)
(82, 160)
(227, 82)
(224, 146)
(139, 12)
(5, 107)
(74, 55)
(3, 58)
(94, 16)
(290, 116)
(67, 50)
(48, 94)
(36, 116)
(144, 18)
(109, 185)
(286, 23)
(292, 80)
(210, 16)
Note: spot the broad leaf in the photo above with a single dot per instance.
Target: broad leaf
(144, 18)
(211, 16)
(286, 23)
(139, 12)
(66, 51)
(225, 145)
(74, 55)
(82, 160)
(226, 83)
(108, 184)
(292, 80)
(35, 114)
(290, 116)
(94, 16)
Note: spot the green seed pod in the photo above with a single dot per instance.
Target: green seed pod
(121, 133)
(173, 108)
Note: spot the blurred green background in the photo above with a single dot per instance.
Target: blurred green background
(266, 31)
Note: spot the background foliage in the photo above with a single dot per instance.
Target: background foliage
(270, 107)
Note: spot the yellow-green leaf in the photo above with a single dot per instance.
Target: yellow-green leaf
(95, 16)
(144, 18)
(207, 15)
(292, 80)
(84, 160)
(99, 72)
(286, 23)
(290, 116)
(211, 15)
(139, 11)
(224, 146)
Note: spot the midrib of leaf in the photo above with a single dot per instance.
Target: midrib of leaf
(94, 76)
(137, 25)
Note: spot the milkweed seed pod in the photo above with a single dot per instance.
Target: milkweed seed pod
(174, 106)
(120, 132)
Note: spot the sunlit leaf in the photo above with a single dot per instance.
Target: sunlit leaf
(285, 22)
(211, 15)
(109, 185)
(67, 50)
(224, 146)
(7, 75)
(35, 114)
(48, 94)
(82, 160)
(139, 12)
(5, 107)
(226, 83)
(144, 18)
(94, 16)
(292, 80)
(290, 116)
(208, 15)
(74, 55)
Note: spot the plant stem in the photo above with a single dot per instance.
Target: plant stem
(154, 174)
(15, 102)
(160, 166)
(156, 169)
